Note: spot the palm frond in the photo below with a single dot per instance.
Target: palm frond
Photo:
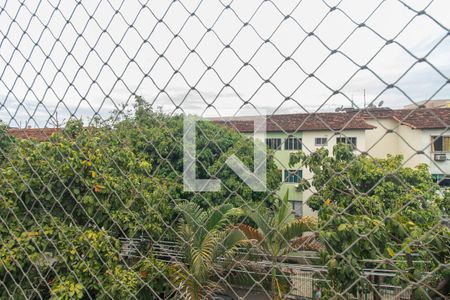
(307, 243)
(262, 221)
(233, 238)
(220, 216)
(206, 240)
(251, 233)
(202, 257)
(294, 230)
(192, 214)
(283, 212)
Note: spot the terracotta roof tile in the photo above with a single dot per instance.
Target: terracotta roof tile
(425, 118)
(38, 134)
(303, 122)
(419, 118)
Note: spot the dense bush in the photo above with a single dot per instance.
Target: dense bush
(376, 213)
(5, 141)
(66, 203)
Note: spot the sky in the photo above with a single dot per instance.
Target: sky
(62, 59)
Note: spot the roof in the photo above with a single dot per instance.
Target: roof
(426, 118)
(336, 121)
(38, 134)
(419, 118)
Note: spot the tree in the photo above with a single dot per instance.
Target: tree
(64, 205)
(159, 138)
(90, 178)
(6, 141)
(109, 181)
(80, 264)
(208, 242)
(277, 233)
(376, 213)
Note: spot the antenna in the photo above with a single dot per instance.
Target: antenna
(364, 98)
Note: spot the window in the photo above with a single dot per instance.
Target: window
(440, 144)
(347, 140)
(297, 208)
(321, 141)
(437, 177)
(292, 176)
(293, 143)
(273, 143)
(441, 179)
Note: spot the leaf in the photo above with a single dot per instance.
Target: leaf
(251, 233)
(390, 251)
(342, 227)
(98, 188)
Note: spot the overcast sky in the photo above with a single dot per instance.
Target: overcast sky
(212, 57)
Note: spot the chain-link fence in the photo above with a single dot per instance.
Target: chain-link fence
(224, 149)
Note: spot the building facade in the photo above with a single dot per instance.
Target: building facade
(289, 133)
(421, 136)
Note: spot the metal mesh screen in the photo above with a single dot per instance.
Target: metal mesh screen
(224, 149)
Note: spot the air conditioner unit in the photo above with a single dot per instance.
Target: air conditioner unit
(440, 157)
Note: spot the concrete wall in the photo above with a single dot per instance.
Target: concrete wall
(384, 139)
(406, 141)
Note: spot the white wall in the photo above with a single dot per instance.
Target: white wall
(384, 139)
(389, 137)
(406, 141)
(436, 167)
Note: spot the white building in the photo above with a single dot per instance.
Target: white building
(420, 135)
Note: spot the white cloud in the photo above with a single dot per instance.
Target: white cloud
(176, 54)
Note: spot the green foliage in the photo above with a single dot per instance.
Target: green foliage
(65, 203)
(159, 138)
(81, 177)
(376, 213)
(6, 141)
(276, 234)
(207, 239)
(63, 262)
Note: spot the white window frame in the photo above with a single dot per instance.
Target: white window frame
(292, 171)
(298, 212)
(289, 143)
(434, 139)
(348, 141)
(322, 144)
(272, 147)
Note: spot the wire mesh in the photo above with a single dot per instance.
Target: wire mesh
(94, 102)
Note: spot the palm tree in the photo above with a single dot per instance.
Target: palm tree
(277, 233)
(208, 242)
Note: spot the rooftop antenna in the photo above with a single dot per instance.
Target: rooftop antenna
(364, 98)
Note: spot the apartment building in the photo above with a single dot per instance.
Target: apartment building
(420, 135)
(288, 133)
